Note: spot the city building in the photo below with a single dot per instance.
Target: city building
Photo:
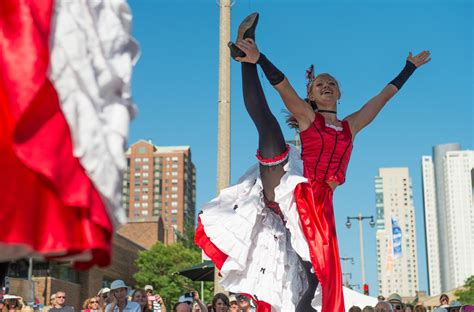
(449, 216)
(160, 182)
(397, 268)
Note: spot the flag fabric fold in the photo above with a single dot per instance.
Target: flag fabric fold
(65, 105)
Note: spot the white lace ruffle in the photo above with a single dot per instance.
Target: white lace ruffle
(262, 251)
(92, 54)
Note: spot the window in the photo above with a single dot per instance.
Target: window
(174, 188)
(145, 205)
(145, 174)
(174, 195)
(142, 150)
(137, 174)
(138, 160)
(175, 158)
(136, 205)
(146, 159)
(174, 204)
(174, 211)
(144, 212)
(174, 173)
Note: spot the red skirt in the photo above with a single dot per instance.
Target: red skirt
(315, 208)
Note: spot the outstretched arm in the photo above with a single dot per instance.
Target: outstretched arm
(364, 116)
(299, 108)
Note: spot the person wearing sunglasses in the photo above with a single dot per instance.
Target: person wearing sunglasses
(60, 303)
(92, 305)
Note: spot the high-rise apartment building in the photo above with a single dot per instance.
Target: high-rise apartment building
(397, 268)
(449, 180)
(160, 182)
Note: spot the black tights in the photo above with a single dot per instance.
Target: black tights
(270, 138)
(271, 143)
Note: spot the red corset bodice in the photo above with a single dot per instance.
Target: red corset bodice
(325, 151)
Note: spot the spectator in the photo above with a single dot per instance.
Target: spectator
(12, 303)
(355, 309)
(455, 306)
(52, 300)
(420, 308)
(184, 304)
(234, 305)
(396, 301)
(182, 307)
(2, 304)
(244, 303)
(368, 309)
(220, 303)
(60, 303)
(408, 308)
(104, 297)
(146, 302)
(444, 301)
(380, 298)
(383, 306)
(93, 305)
(118, 299)
(155, 302)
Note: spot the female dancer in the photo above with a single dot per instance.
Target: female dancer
(272, 234)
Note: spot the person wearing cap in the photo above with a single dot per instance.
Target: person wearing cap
(396, 301)
(12, 303)
(118, 299)
(155, 302)
(103, 295)
(234, 304)
(60, 303)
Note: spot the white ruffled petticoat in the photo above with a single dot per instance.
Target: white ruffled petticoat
(262, 250)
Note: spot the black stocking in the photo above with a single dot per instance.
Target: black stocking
(270, 138)
(304, 305)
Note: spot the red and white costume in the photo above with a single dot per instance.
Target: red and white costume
(257, 252)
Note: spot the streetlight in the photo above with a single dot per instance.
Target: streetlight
(372, 224)
(344, 273)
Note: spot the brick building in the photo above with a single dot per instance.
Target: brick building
(160, 182)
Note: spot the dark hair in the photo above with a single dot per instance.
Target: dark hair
(290, 119)
(444, 296)
(221, 296)
(355, 309)
(368, 309)
(409, 306)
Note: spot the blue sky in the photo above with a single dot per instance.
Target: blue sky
(363, 44)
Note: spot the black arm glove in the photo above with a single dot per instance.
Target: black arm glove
(406, 72)
(273, 74)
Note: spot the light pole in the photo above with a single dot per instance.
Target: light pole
(344, 273)
(372, 224)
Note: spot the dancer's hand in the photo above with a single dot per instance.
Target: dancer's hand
(419, 59)
(250, 49)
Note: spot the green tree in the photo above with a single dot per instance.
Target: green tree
(466, 295)
(159, 266)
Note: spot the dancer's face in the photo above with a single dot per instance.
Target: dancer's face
(325, 91)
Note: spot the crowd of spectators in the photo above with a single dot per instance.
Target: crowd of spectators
(122, 298)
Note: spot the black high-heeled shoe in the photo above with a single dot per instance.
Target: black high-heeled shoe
(246, 30)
